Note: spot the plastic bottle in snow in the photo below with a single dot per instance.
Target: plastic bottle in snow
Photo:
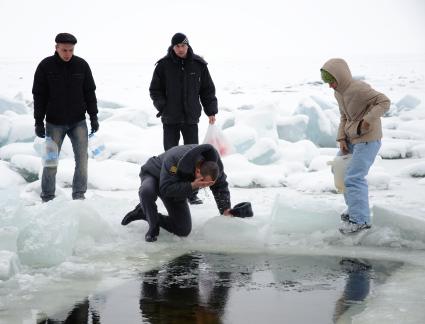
(49, 157)
(97, 148)
(339, 165)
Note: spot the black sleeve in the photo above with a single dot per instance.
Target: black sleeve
(169, 184)
(89, 93)
(157, 89)
(40, 91)
(207, 94)
(221, 193)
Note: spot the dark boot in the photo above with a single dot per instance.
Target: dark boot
(135, 214)
(194, 199)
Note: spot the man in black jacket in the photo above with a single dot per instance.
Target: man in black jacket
(173, 176)
(180, 83)
(64, 90)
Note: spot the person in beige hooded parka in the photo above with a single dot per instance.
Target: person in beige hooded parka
(359, 134)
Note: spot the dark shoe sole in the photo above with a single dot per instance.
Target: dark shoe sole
(196, 202)
(46, 199)
(135, 214)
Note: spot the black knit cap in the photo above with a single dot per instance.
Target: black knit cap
(65, 38)
(179, 38)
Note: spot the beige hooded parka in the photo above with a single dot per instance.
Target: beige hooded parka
(357, 102)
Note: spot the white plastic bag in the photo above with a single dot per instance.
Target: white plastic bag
(216, 138)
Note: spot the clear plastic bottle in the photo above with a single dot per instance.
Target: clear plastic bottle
(50, 154)
(97, 148)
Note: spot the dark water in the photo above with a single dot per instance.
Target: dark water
(241, 288)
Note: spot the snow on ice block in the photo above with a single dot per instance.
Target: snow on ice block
(393, 150)
(262, 121)
(241, 137)
(244, 174)
(303, 215)
(11, 105)
(21, 128)
(324, 103)
(5, 126)
(322, 127)
(8, 177)
(9, 265)
(416, 126)
(9, 150)
(292, 128)
(409, 222)
(408, 102)
(415, 170)
(8, 237)
(27, 166)
(418, 151)
(265, 151)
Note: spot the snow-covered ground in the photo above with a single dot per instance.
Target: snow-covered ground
(281, 121)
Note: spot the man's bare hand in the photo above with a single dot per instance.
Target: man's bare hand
(227, 212)
(365, 125)
(201, 183)
(343, 146)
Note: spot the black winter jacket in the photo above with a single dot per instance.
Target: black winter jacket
(179, 86)
(63, 91)
(175, 170)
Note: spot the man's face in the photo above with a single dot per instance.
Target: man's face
(199, 176)
(65, 51)
(333, 85)
(180, 50)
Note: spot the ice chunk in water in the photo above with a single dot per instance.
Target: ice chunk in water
(49, 239)
(303, 215)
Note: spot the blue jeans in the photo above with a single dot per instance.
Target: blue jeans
(356, 192)
(78, 134)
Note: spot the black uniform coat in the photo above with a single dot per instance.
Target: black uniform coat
(63, 91)
(179, 86)
(175, 170)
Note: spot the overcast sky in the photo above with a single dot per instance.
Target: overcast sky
(263, 29)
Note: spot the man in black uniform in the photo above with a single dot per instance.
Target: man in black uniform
(173, 176)
(64, 90)
(180, 83)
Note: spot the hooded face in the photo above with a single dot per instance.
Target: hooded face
(339, 69)
(181, 50)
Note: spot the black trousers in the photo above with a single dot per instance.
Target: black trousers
(178, 221)
(172, 134)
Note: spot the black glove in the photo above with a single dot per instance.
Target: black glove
(243, 209)
(94, 124)
(40, 131)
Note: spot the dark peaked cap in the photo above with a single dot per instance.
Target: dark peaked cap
(65, 38)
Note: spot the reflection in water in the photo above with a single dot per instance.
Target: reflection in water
(179, 294)
(217, 288)
(357, 285)
(81, 314)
